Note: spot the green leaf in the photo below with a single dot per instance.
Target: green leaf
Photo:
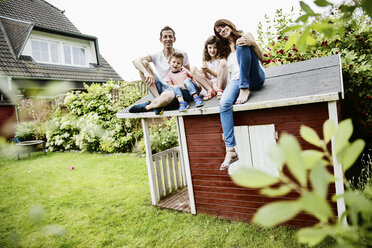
(282, 190)
(292, 152)
(252, 178)
(343, 134)
(291, 28)
(291, 40)
(317, 206)
(324, 28)
(307, 9)
(329, 129)
(322, 3)
(310, 136)
(313, 235)
(320, 178)
(351, 153)
(276, 155)
(311, 157)
(302, 40)
(275, 213)
(303, 18)
(358, 201)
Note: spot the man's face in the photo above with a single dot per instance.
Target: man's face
(167, 38)
(175, 64)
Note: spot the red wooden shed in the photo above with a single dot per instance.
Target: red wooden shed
(305, 92)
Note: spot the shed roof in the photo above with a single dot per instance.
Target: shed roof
(17, 19)
(310, 81)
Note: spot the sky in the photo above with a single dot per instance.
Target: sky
(130, 29)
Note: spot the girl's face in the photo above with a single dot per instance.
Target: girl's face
(224, 31)
(175, 64)
(212, 50)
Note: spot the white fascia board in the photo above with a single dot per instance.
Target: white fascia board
(236, 108)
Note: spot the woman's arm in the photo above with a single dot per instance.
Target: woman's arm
(248, 40)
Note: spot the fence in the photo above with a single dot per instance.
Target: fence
(169, 171)
(139, 86)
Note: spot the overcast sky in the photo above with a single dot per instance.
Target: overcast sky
(129, 29)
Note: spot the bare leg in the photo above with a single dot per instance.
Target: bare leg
(199, 77)
(222, 74)
(163, 100)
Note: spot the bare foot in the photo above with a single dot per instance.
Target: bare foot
(243, 96)
(230, 157)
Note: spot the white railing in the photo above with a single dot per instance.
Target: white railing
(169, 170)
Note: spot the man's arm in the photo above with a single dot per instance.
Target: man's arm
(142, 64)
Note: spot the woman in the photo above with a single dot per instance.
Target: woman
(244, 74)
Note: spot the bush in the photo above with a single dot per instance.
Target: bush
(164, 136)
(91, 120)
(26, 131)
(353, 44)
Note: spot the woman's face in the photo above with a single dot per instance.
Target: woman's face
(223, 31)
(212, 50)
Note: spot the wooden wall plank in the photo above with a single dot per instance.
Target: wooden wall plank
(214, 191)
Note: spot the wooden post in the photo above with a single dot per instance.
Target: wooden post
(185, 155)
(337, 167)
(150, 167)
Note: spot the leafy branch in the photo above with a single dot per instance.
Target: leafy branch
(309, 177)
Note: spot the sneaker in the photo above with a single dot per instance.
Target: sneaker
(198, 101)
(159, 111)
(183, 106)
(139, 107)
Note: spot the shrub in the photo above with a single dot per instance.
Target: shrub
(26, 130)
(164, 136)
(92, 121)
(353, 45)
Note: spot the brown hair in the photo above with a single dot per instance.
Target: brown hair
(165, 29)
(211, 40)
(225, 49)
(177, 56)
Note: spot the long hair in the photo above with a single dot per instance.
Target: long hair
(225, 49)
(211, 40)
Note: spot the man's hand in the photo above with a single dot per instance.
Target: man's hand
(149, 80)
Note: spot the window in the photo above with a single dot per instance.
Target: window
(44, 51)
(252, 143)
(41, 51)
(74, 55)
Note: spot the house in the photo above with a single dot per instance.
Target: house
(40, 47)
(306, 92)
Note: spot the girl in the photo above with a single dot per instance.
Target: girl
(244, 74)
(213, 72)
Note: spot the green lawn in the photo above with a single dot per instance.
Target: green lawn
(105, 202)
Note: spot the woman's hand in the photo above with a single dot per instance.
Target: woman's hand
(246, 40)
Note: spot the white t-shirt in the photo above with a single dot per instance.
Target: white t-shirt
(214, 67)
(233, 69)
(161, 63)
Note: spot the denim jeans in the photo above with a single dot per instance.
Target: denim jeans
(251, 76)
(191, 88)
(160, 86)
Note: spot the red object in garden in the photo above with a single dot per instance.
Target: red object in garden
(72, 167)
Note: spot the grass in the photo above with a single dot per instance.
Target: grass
(105, 202)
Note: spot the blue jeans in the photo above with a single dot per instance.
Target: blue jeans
(251, 76)
(160, 86)
(191, 88)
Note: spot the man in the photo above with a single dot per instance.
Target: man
(163, 94)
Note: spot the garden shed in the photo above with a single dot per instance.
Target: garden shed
(306, 92)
